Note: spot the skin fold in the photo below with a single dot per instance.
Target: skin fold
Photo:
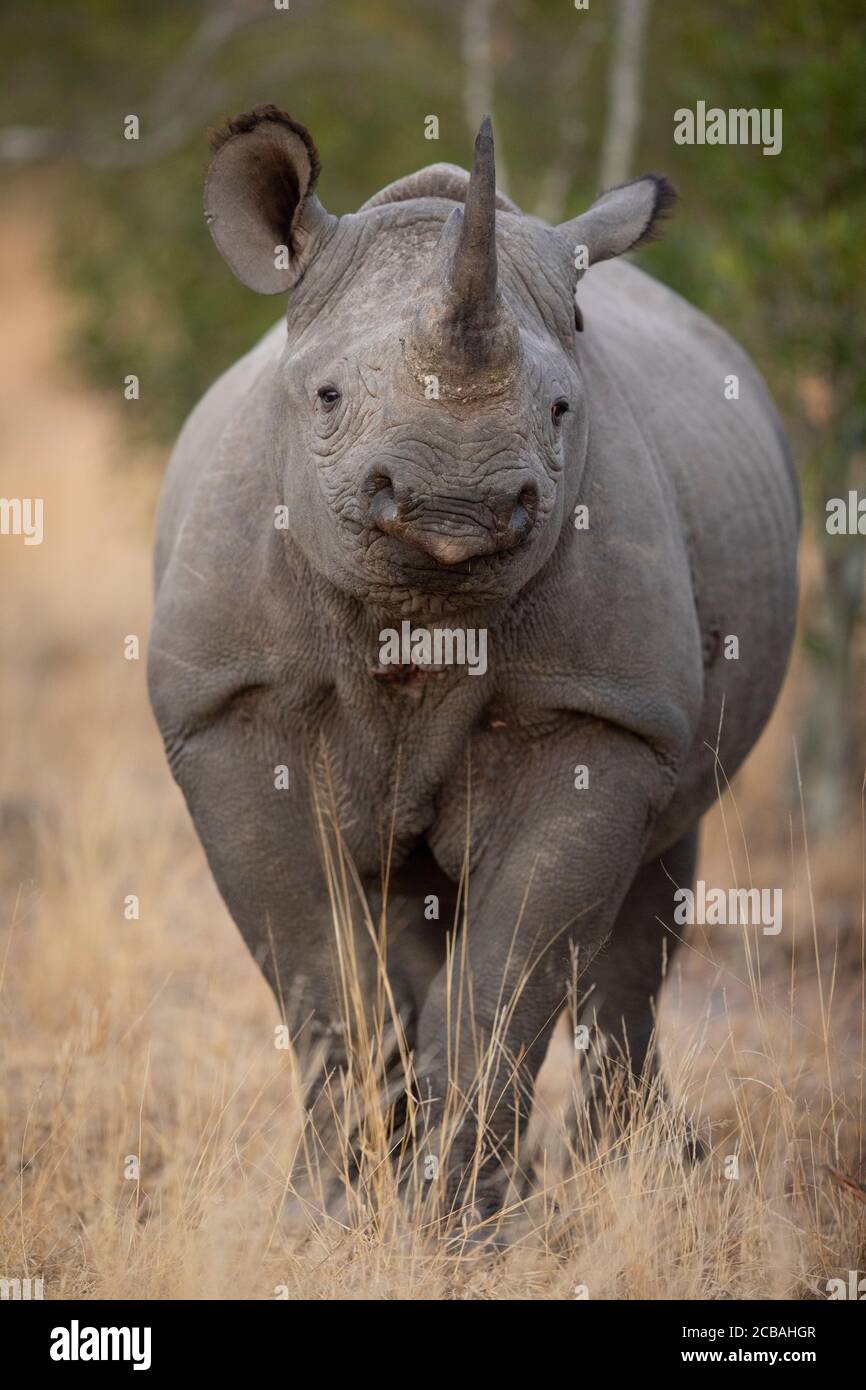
(407, 419)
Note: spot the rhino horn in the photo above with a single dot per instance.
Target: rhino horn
(463, 331)
(473, 269)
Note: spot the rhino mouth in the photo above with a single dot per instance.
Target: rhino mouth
(405, 568)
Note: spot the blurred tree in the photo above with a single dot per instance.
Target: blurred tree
(622, 122)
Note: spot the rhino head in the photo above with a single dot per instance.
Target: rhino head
(428, 419)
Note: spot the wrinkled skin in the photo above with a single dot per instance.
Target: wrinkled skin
(605, 644)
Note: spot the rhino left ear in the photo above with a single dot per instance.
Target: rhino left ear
(259, 202)
(620, 220)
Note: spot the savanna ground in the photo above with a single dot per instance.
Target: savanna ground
(154, 1038)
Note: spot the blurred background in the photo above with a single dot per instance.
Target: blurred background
(770, 246)
(152, 1035)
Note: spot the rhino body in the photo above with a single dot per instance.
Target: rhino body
(591, 500)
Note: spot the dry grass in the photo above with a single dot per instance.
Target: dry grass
(155, 1038)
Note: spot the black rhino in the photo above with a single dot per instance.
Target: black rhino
(427, 437)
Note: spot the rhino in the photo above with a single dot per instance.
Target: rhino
(468, 422)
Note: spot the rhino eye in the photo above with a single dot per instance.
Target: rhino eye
(329, 396)
(558, 409)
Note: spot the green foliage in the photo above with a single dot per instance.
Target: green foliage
(769, 245)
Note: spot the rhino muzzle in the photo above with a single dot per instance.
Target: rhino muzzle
(452, 530)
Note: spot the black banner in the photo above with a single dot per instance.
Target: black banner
(155, 1338)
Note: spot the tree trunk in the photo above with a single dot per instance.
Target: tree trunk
(623, 92)
(478, 87)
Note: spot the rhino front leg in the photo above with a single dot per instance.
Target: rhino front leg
(545, 888)
(622, 987)
(247, 781)
(247, 784)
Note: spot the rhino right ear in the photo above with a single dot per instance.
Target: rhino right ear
(620, 220)
(258, 199)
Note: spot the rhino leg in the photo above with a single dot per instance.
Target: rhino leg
(552, 869)
(622, 987)
(415, 949)
(266, 848)
(416, 941)
(264, 845)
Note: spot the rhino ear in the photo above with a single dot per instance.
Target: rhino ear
(258, 199)
(620, 220)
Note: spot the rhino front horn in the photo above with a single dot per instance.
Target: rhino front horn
(473, 269)
(462, 330)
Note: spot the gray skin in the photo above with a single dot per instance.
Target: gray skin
(606, 644)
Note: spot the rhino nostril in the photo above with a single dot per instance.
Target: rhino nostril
(383, 504)
(523, 511)
(528, 498)
(377, 480)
